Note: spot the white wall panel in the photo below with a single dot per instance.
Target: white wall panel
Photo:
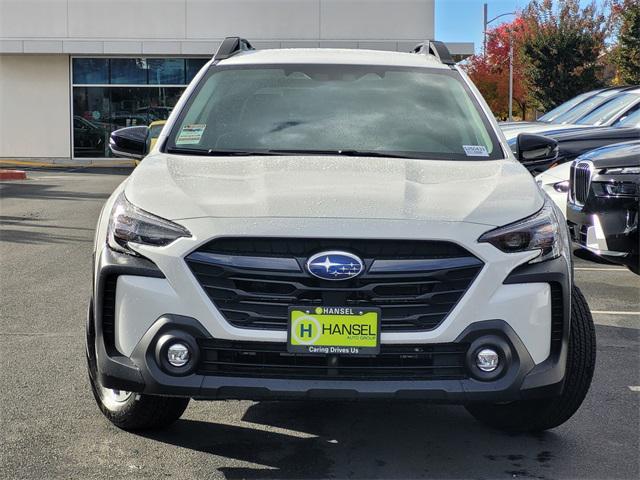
(92, 26)
(377, 19)
(33, 18)
(127, 19)
(34, 106)
(259, 19)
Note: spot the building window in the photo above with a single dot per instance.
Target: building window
(193, 66)
(132, 71)
(90, 70)
(112, 93)
(166, 71)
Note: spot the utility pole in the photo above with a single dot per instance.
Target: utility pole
(510, 75)
(484, 29)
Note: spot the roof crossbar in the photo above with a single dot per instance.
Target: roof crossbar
(231, 46)
(435, 48)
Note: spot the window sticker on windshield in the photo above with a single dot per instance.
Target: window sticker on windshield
(190, 134)
(475, 150)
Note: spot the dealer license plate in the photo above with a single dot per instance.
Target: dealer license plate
(334, 330)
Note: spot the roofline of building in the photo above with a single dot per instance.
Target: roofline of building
(22, 46)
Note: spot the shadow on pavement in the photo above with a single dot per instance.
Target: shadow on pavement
(29, 222)
(309, 440)
(34, 237)
(30, 230)
(43, 191)
(365, 440)
(591, 257)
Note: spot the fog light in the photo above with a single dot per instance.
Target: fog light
(178, 355)
(487, 360)
(561, 187)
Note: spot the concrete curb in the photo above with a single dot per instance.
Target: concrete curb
(66, 163)
(13, 175)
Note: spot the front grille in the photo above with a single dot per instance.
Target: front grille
(271, 360)
(290, 247)
(580, 181)
(415, 284)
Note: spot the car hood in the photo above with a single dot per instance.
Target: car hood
(595, 133)
(539, 128)
(625, 154)
(493, 192)
(509, 125)
(555, 174)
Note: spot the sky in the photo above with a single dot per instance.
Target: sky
(461, 20)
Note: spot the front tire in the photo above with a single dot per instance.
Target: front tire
(128, 410)
(134, 411)
(538, 415)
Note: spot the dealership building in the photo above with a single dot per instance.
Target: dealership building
(72, 71)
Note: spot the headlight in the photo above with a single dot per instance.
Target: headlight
(561, 187)
(544, 231)
(622, 171)
(615, 189)
(129, 224)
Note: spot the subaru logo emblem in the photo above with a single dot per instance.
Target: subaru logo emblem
(334, 265)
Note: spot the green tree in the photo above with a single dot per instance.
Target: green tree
(627, 55)
(562, 49)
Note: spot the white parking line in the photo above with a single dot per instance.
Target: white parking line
(634, 388)
(604, 269)
(617, 319)
(607, 312)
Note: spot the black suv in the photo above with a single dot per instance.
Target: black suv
(602, 207)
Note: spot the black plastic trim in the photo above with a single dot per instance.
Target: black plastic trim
(550, 373)
(423, 265)
(437, 49)
(113, 368)
(243, 261)
(154, 380)
(231, 46)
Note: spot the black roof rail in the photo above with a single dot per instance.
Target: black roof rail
(435, 48)
(230, 46)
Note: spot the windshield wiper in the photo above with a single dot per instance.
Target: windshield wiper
(247, 153)
(218, 153)
(346, 153)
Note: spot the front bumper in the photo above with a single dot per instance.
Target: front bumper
(612, 234)
(140, 371)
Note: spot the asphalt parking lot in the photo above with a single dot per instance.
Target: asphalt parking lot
(51, 427)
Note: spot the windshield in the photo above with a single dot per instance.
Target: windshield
(565, 107)
(605, 112)
(630, 119)
(334, 109)
(585, 107)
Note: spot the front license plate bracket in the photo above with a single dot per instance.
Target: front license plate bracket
(334, 330)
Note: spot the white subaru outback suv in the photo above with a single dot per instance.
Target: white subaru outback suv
(335, 224)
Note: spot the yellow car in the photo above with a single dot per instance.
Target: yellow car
(154, 132)
(152, 137)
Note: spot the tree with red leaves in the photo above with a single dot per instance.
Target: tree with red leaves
(490, 71)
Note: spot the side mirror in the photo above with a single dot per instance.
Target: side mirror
(536, 152)
(130, 142)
